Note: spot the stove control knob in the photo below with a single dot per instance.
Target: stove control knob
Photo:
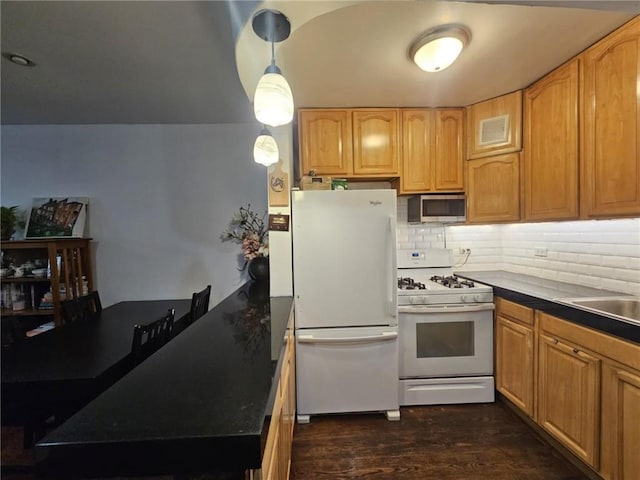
(424, 300)
(412, 300)
(472, 298)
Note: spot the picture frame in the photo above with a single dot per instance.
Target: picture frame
(57, 217)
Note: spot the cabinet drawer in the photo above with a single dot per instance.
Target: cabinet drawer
(515, 311)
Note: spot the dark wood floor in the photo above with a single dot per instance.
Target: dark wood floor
(457, 442)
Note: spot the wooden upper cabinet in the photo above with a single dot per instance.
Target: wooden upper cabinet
(432, 152)
(610, 169)
(495, 126)
(350, 143)
(376, 146)
(448, 160)
(417, 150)
(493, 189)
(325, 141)
(551, 146)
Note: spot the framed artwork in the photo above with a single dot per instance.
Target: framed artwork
(59, 217)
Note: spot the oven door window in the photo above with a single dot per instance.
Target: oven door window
(445, 339)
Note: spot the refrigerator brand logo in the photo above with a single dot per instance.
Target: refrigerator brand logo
(375, 202)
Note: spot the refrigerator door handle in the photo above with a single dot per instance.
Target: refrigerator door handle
(392, 266)
(348, 340)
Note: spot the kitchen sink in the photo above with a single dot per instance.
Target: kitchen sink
(621, 308)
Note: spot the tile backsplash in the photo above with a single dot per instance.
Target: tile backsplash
(595, 253)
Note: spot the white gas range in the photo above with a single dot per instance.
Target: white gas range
(445, 330)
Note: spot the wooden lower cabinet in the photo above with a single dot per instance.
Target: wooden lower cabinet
(276, 460)
(620, 436)
(586, 386)
(515, 354)
(569, 396)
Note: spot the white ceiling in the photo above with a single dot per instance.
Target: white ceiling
(199, 61)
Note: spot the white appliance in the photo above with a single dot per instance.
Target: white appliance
(345, 290)
(446, 332)
(437, 208)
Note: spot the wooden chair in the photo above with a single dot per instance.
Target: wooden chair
(200, 303)
(199, 306)
(150, 337)
(90, 303)
(71, 310)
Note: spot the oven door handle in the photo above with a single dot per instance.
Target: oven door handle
(348, 340)
(477, 307)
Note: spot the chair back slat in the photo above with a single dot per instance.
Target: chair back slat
(150, 337)
(90, 303)
(200, 303)
(71, 310)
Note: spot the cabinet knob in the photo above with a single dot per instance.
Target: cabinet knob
(575, 350)
(555, 341)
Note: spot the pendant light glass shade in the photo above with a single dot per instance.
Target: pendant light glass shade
(273, 100)
(437, 49)
(265, 150)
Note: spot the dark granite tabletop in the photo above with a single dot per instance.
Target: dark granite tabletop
(77, 361)
(542, 294)
(199, 404)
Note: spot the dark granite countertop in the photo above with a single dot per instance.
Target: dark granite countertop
(199, 404)
(540, 294)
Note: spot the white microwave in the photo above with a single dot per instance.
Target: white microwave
(437, 208)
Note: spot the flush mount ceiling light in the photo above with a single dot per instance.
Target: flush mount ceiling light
(265, 150)
(18, 59)
(273, 100)
(438, 48)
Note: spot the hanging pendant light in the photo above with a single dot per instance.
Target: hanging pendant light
(273, 100)
(265, 150)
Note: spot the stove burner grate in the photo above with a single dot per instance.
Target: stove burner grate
(407, 283)
(452, 281)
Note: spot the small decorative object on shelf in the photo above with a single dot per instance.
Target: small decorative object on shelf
(248, 229)
(11, 218)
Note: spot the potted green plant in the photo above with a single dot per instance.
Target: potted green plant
(10, 219)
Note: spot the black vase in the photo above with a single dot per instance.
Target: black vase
(259, 269)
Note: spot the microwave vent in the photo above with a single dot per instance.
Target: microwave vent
(494, 130)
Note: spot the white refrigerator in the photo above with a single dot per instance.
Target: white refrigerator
(345, 290)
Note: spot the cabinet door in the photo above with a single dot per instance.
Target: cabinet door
(610, 170)
(325, 141)
(569, 396)
(448, 172)
(514, 363)
(551, 146)
(620, 422)
(495, 126)
(417, 151)
(493, 189)
(376, 142)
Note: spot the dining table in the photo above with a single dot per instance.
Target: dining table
(200, 407)
(72, 364)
